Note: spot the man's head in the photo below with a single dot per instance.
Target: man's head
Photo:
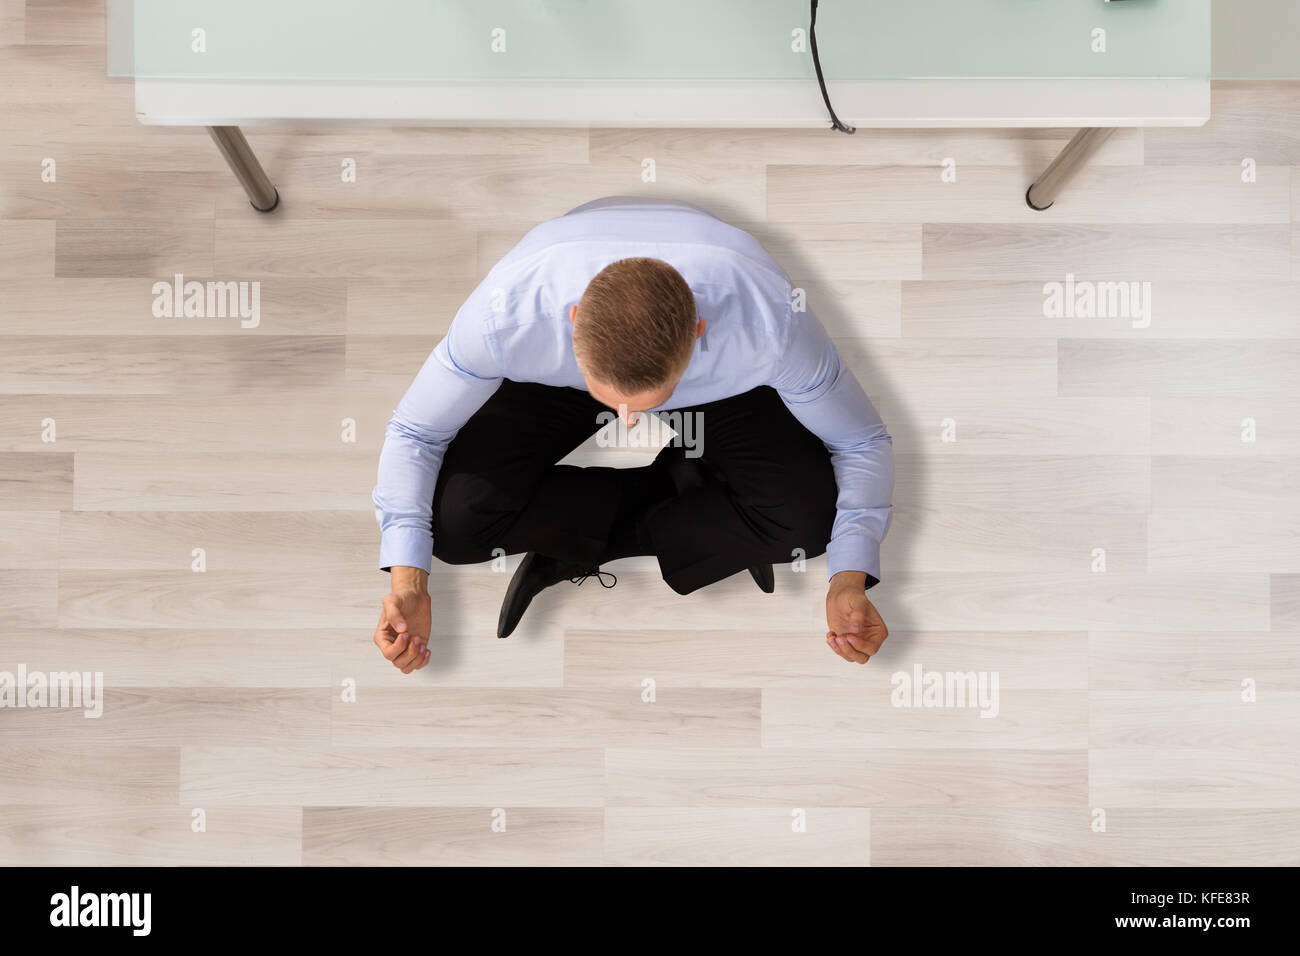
(634, 331)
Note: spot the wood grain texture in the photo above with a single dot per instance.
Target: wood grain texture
(1248, 118)
(1100, 512)
(1120, 253)
(1133, 837)
(26, 248)
(453, 836)
(987, 194)
(643, 836)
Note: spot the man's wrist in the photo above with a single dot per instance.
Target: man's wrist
(853, 580)
(409, 579)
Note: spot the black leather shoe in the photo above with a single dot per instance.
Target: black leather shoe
(764, 577)
(536, 573)
(688, 473)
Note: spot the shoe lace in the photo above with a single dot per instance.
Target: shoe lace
(598, 574)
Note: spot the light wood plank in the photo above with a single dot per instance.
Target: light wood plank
(845, 777)
(1120, 253)
(1245, 541)
(379, 249)
(209, 419)
(1101, 484)
(143, 657)
(495, 187)
(762, 657)
(28, 597)
(1284, 601)
(29, 539)
(961, 424)
(35, 481)
(641, 836)
(1171, 720)
(1226, 778)
(12, 22)
(915, 370)
(26, 248)
(93, 777)
(841, 250)
(53, 835)
(1036, 720)
(1222, 309)
(452, 836)
(86, 248)
(1109, 368)
(409, 776)
(458, 717)
(210, 482)
(1249, 118)
(89, 307)
(1254, 485)
(1192, 660)
(984, 194)
(1031, 148)
(1221, 424)
(1133, 837)
(177, 717)
(99, 365)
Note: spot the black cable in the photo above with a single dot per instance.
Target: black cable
(821, 80)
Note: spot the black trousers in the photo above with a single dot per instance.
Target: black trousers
(771, 496)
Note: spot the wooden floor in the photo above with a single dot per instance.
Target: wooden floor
(1127, 731)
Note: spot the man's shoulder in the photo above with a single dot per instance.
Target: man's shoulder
(680, 229)
(548, 269)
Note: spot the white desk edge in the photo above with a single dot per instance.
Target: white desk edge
(920, 103)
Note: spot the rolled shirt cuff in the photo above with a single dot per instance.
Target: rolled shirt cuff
(406, 548)
(854, 552)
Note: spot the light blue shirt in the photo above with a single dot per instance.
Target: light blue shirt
(516, 325)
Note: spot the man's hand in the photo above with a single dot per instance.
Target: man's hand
(404, 623)
(856, 629)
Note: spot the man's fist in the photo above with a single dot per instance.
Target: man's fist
(402, 635)
(856, 629)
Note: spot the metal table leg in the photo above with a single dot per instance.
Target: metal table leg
(262, 193)
(1068, 162)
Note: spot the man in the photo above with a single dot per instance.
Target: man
(636, 306)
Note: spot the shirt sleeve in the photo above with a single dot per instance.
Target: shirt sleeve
(457, 378)
(827, 399)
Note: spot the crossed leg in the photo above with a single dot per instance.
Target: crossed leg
(771, 495)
